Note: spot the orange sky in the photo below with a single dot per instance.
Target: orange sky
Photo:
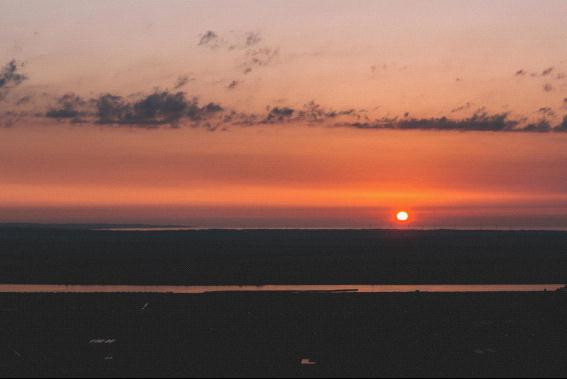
(385, 60)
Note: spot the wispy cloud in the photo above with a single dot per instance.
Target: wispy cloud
(209, 39)
(233, 84)
(478, 122)
(10, 77)
(547, 71)
(181, 82)
(251, 52)
(229, 41)
(253, 38)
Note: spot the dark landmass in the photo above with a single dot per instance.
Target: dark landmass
(62, 256)
(270, 334)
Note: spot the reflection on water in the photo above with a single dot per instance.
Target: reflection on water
(354, 288)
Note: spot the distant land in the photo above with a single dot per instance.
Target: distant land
(81, 255)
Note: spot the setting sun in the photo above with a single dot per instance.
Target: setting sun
(402, 216)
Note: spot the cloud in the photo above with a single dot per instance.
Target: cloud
(461, 108)
(69, 106)
(313, 112)
(159, 108)
(547, 71)
(546, 111)
(260, 57)
(176, 109)
(548, 87)
(251, 53)
(542, 126)
(24, 100)
(209, 39)
(10, 77)
(181, 82)
(233, 84)
(278, 114)
(563, 126)
(480, 121)
(230, 41)
(253, 38)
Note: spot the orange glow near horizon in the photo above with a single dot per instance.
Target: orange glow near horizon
(270, 173)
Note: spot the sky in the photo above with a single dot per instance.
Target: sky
(333, 114)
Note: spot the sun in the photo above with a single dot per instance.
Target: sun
(402, 216)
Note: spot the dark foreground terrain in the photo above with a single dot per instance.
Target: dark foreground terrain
(62, 256)
(282, 334)
(257, 334)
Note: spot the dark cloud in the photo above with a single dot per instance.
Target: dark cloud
(165, 108)
(313, 112)
(10, 77)
(174, 108)
(111, 109)
(481, 122)
(24, 100)
(209, 38)
(181, 82)
(69, 106)
(547, 71)
(546, 111)
(233, 84)
(212, 108)
(548, 87)
(563, 126)
(278, 114)
(542, 126)
(159, 108)
(260, 57)
(231, 41)
(251, 53)
(253, 38)
(461, 108)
